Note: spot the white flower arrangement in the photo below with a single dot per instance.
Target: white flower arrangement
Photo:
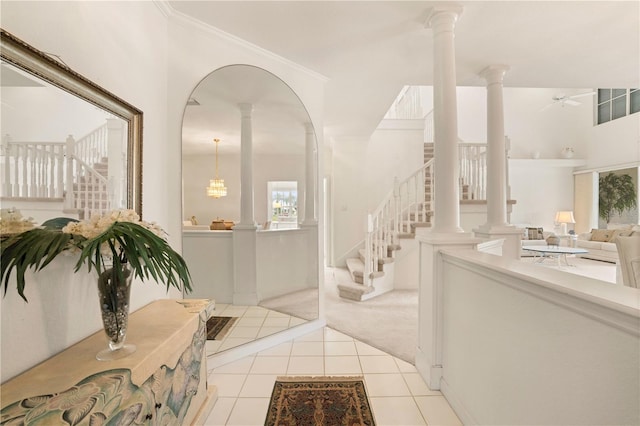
(110, 241)
(12, 222)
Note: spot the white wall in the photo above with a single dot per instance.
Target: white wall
(616, 142)
(540, 188)
(197, 170)
(101, 42)
(391, 153)
(348, 198)
(533, 124)
(65, 114)
(196, 173)
(284, 260)
(521, 347)
(209, 255)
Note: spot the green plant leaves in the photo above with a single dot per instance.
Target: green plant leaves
(35, 249)
(149, 255)
(616, 193)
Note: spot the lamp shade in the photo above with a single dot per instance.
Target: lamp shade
(565, 217)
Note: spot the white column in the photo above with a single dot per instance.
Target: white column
(310, 176)
(497, 226)
(246, 168)
(447, 193)
(245, 253)
(496, 154)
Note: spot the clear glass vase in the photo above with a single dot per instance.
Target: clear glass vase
(114, 289)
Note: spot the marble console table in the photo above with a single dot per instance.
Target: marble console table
(163, 382)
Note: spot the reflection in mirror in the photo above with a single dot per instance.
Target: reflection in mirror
(69, 148)
(286, 259)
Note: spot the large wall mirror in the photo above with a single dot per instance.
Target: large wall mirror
(287, 259)
(69, 147)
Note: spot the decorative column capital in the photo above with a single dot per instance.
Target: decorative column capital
(246, 109)
(494, 73)
(443, 17)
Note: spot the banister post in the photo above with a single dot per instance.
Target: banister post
(69, 196)
(396, 209)
(7, 190)
(368, 249)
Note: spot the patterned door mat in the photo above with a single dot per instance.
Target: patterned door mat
(218, 327)
(316, 401)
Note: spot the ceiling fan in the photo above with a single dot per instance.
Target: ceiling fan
(563, 99)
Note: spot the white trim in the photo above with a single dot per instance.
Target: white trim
(250, 348)
(547, 162)
(164, 7)
(612, 168)
(575, 293)
(456, 404)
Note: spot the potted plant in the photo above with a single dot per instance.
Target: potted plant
(118, 246)
(616, 193)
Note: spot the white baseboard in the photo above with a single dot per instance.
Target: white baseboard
(431, 374)
(456, 404)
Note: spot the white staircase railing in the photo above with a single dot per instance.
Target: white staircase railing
(411, 203)
(473, 171)
(428, 127)
(90, 194)
(405, 206)
(32, 170)
(93, 148)
(65, 171)
(407, 106)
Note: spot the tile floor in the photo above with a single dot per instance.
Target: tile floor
(253, 322)
(397, 393)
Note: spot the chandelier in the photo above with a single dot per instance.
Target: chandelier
(216, 188)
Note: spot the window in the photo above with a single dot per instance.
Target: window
(283, 204)
(634, 101)
(616, 103)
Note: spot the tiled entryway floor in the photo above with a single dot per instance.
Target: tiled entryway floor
(397, 393)
(253, 322)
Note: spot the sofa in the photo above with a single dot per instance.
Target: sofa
(535, 237)
(600, 243)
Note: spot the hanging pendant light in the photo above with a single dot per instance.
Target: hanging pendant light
(216, 188)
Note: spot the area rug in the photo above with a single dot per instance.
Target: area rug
(319, 401)
(218, 327)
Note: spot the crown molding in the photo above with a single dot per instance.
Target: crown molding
(164, 7)
(192, 22)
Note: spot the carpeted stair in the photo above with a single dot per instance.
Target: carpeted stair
(381, 279)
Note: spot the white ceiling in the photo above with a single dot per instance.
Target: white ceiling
(370, 50)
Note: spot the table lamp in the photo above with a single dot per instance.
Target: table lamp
(564, 217)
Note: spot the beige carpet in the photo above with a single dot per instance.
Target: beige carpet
(388, 322)
(302, 304)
